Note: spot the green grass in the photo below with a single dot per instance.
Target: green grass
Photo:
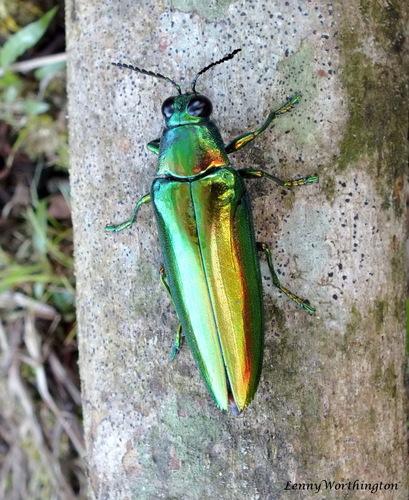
(40, 415)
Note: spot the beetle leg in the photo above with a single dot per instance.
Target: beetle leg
(177, 344)
(127, 223)
(154, 146)
(250, 173)
(302, 303)
(242, 140)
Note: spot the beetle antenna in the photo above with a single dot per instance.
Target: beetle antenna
(149, 73)
(226, 58)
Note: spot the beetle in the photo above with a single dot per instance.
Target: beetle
(211, 267)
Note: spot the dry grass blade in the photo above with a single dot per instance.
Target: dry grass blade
(19, 390)
(33, 343)
(10, 300)
(60, 373)
(37, 431)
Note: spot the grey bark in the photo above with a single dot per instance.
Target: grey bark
(330, 405)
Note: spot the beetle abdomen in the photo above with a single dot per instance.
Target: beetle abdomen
(212, 268)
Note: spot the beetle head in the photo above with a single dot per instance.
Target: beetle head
(186, 109)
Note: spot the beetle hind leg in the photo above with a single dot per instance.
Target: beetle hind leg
(300, 302)
(177, 343)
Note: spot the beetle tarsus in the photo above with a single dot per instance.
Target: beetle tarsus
(119, 227)
(177, 343)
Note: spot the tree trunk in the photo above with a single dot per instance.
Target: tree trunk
(330, 410)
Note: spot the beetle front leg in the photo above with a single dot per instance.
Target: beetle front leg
(251, 173)
(177, 344)
(124, 225)
(302, 303)
(244, 139)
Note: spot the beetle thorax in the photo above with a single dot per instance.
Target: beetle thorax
(189, 150)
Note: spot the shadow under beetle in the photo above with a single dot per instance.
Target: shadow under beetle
(211, 268)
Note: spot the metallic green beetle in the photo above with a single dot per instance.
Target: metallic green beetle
(211, 269)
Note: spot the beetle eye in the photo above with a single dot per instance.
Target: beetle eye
(168, 107)
(200, 106)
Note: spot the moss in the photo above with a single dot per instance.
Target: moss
(380, 309)
(386, 204)
(398, 261)
(375, 118)
(378, 375)
(328, 187)
(313, 444)
(389, 381)
(389, 32)
(375, 128)
(351, 329)
(373, 417)
(399, 308)
(186, 436)
(279, 318)
(407, 326)
(297, 72)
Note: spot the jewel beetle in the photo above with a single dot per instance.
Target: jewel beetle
(211, 268)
